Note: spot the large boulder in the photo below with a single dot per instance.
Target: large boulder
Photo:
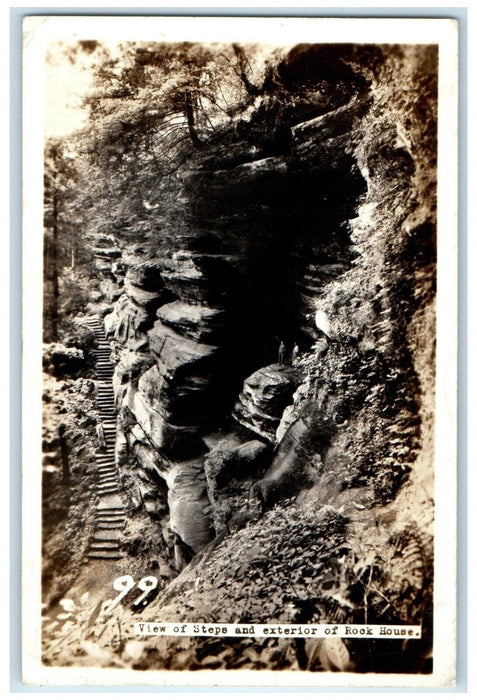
(146, 276)
(144, 286)
(264, 397)
(109, 289)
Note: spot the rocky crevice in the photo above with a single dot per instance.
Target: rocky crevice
(196, 333)
(267, 227)
(272, 326)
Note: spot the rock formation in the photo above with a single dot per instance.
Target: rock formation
(195, 332)
(266, 394)
(273, 229)
(303, 216)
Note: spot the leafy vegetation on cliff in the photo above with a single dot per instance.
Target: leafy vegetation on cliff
(290, 197)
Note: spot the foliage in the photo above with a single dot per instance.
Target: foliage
(62, 360)
(67, 260)
(154, 114)
(84, 628)
(66, 506)
(80, 335)
(370, 379)
(151, 107)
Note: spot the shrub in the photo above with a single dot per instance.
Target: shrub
(61, 360)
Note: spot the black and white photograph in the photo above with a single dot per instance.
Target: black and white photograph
(242, 305)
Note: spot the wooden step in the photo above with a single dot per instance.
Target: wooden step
(109, 517)
(107, 510)
(107, 536)
(114, 520)
(101, 525)
(104, 555)
(104, 546)
(107, 491)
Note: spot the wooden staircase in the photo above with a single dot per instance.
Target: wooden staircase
(110, 511)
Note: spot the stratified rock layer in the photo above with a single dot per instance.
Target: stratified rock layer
(196, 322)
(255, 227)
(265, 395)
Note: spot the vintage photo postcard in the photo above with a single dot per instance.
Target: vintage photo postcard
(240, 327)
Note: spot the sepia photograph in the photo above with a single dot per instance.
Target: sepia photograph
(233, 478)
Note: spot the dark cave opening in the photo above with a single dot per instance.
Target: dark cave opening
(283, 237)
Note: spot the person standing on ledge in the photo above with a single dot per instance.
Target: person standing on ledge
(281, 353)
(295, 352)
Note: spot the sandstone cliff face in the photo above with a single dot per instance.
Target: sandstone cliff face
(326, 209)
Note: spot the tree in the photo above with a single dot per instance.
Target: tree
(153, 107)
(64, 223)
(179, 91)
(50, 245)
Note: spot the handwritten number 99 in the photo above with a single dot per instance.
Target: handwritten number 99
(146, 584)
(124, 584)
